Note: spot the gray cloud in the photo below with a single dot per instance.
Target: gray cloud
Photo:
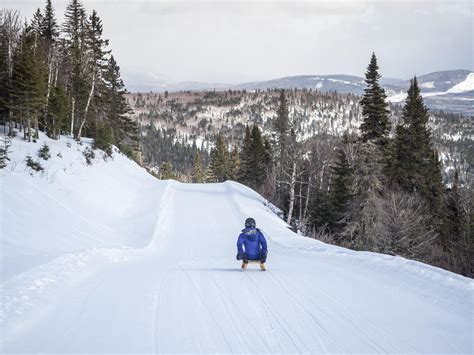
(236, 41)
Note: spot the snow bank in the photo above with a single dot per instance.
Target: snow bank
(72, 206)
(90, 253)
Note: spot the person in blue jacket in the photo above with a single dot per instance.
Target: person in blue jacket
(251, 244)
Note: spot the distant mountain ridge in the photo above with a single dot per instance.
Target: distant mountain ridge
(450, 90)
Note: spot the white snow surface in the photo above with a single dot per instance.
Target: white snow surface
(427, 85)
(107, 259)
(463, 86)
(403, 95)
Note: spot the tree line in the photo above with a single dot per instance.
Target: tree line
(373, 190)
(63, 79)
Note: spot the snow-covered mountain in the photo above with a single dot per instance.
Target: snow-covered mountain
(340, 83)
(450, 90)
(104, 258)
(441, 81)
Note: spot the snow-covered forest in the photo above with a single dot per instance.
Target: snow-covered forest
(62, 78)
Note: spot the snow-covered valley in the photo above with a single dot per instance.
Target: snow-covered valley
(197, 117)
(104, 258)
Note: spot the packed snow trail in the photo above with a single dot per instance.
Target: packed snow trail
(183, 291)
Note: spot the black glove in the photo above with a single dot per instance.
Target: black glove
(242, 256)
(263, 257)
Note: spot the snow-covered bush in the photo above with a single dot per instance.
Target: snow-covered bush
(34, 165)
(89, 155)
(4, 145)
(43, 152)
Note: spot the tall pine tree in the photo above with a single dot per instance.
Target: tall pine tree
(126, 134)
(376, 124)
(74, 29)
(415, 164)
(28, 82)
(50, 37)
(281, 127)
(96, 62)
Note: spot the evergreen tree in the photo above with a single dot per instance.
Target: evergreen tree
(458, 241)
(29, 81)
(49, 26)
(415, 164)
(103, 136)
(166, 171)
(455, 218)
(58, 112)
(258, 159)
(245, 174)
(198, 174)
(44, 152)
(50, 35)
(321, 211)
(74, 29)
(255, 158)
(126, 133)
(5, 143)
(285, 167)
(281, 127)
(95, 62)
(234, 164)
(267, 156)
(376, 124)
(36, 27)
(219, 165)
(10, 27)
(340, 189)
(5, 75)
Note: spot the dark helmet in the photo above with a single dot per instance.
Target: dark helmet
(249, 223)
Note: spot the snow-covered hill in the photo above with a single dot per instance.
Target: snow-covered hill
(448, 90)
(105, 258)
(463, 86)
(456, 86)
(199, 116)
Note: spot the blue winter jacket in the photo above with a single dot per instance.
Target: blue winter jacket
(252, 242)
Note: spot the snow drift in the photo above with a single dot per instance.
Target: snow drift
(105, 258)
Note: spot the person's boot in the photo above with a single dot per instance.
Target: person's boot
(244, 265)
(262, 267)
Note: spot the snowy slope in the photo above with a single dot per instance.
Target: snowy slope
(105, 258)
(464, 86)
(430, 90)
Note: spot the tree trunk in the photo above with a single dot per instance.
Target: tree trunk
(28, 123)
(79, 132)
(73, 103)
(36, 127)
(48, 91)
(301, 204)
(292, 193)
(10, 125)
(10, 80)
(57, 130)
(306, 205)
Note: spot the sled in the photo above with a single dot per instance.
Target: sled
(245, 265)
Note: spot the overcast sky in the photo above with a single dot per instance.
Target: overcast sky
(240, 41)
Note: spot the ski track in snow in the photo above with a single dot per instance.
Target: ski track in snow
(179, 289)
